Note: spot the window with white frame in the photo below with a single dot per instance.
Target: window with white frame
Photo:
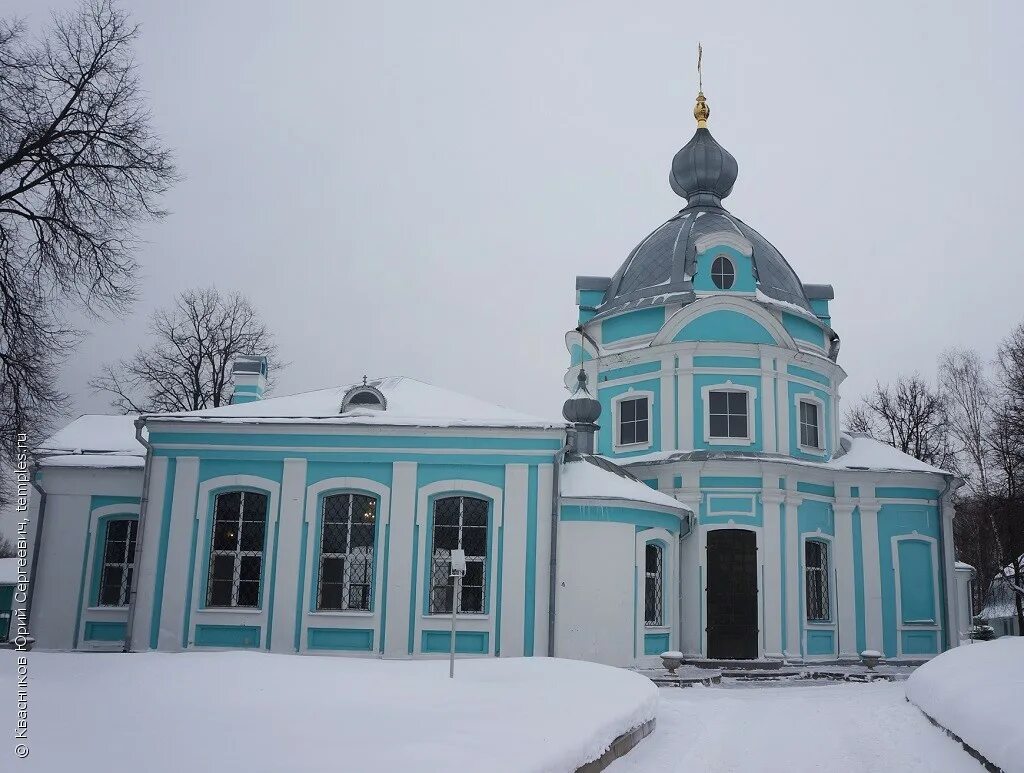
(728, 414)
(634, 421)
(723, 274)
(236, 549)
(118, 562)
(810, 424)
(654, 584)
(459, 522)
(816, 581)
(348, 527)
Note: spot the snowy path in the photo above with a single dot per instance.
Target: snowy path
(846, 727)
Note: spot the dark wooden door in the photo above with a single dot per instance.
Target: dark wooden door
(732, 594)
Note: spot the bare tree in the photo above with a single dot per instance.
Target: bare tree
(968, 397)
(80, 169)
(188, 367)
(909, 415)
(7, 549)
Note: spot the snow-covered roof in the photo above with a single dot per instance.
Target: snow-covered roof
(865, 453)
(409, 403)
(590, 477)
(8, 571)
(94, 440)
(861, 453)
(963, 566)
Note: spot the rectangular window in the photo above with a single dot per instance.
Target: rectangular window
(236, 549)
(347, 535)
(816, 581)
(728, 414)
(459, 522)
(809, 425)
(118, 563)
(634, 421)
(654, 585)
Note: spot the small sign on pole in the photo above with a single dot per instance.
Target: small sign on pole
(458, 571)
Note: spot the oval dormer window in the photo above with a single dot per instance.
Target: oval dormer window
(363, 396)
(722, 273)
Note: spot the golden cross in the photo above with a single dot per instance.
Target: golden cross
(700, 75)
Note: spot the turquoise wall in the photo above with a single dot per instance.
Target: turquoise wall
(606, 437)
(639, 517)
(897, 520)
(725, 325)
(633, 323)
(701, 380)
(803, 329)
(744, 266)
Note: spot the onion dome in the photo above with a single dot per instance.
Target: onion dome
(703, 172)
(581, 407)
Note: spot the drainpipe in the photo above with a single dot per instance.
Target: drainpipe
(34, 569)
(140, 533)
(553, 571)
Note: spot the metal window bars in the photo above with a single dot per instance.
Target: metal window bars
(654, 585)
(347, 531)
(118, 562)
(236, 549)
(816, 580)
(459, 522)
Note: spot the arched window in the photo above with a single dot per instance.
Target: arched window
(236, 549)
(118, 562)
(816, 580)
(654, 584)
(459, 522)
(346, 552)
(722, 273)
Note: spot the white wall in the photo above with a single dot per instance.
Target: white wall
(595, 592)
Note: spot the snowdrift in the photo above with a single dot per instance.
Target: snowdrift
(247, 711)
(975, 691)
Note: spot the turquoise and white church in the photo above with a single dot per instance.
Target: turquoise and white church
(697, 495)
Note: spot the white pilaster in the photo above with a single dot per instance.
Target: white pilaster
(872, 574)
(946, 512)
(691, 582)
(183, 516)
(782, 412)
(772, 500)
(513, 560)
(289, 548)
(142, 619)
(667, 406)
(794, 560)
(768, 408)
(400, 552)
(843, 561)
(545, 475)
(685, 417)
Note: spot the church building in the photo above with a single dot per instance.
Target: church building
(697, 495)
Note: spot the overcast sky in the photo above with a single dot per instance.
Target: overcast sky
(411, 189)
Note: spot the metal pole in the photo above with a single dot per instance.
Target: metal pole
(455, 608)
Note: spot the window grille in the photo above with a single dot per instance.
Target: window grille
(722, 273)
(459, 522)
(236, 549)
(809, 433)
(346, 552)
(118, 562)
(727, 413)
(654, 585)
(816, 580)
(634, 422)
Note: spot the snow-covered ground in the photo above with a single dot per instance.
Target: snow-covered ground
(975, 691)
(824, 727)
(253, 712)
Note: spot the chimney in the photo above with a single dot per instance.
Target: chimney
(249, 376)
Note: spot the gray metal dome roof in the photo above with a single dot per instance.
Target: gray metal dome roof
(663, 264)
(661, 267)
